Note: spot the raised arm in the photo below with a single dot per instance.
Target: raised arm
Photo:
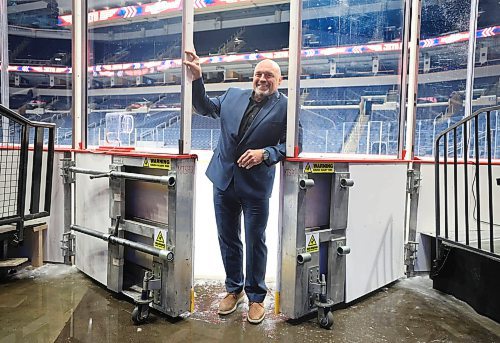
(202, 104)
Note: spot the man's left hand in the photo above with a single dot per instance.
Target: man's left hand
(251, 158)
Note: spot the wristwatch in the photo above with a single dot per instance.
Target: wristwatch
(265, 154)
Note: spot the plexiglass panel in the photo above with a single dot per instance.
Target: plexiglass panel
(442, 70)
(1, 77)
(351, 53)
(134, 74)
(40, 63)
(230, 42)
(486, 88)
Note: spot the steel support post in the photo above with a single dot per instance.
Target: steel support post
(294, 58)
(186, 87)
(4, 53)
(471, 57)
(4, 60)
(404, 76)
(411, 110)
(412, 193)
(68, 242)
(79, 77)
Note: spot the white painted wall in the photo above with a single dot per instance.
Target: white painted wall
(426, 208)
(426, 220)
(92, 203)
(375, 227)
(53, 235)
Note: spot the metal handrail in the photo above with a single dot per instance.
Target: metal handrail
(21, 179)
(10, 114)
(443, 137)
(466, 119)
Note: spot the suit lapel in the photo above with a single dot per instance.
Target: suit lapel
(237, 114)
(273, 100)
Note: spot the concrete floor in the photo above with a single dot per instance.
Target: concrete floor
(58, 303)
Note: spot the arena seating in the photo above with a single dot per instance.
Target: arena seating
(326, 128)
(27, 50)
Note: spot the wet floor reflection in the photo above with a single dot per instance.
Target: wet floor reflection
(35, 304)
(73, 308)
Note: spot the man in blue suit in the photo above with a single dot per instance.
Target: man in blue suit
(252, 141)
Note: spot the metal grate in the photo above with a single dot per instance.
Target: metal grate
(10, 138)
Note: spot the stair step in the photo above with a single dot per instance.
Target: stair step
(13, 262)
(7, 228)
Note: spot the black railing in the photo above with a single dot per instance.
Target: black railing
(16, 160)
(475, 132)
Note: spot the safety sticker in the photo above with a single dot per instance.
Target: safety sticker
(159, 239)
(312, 240)
(158, 163)
(318, 168)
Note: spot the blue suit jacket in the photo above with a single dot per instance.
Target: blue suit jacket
(268, 130)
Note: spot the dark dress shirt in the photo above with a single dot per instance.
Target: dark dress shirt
(251, 112)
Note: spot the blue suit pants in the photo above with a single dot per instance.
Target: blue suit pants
(228, 209)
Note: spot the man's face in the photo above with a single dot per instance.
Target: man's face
(266, 78)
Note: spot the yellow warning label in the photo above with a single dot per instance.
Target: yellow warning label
(158, 163)
(160, 241)
(312, 242)
(319, 168)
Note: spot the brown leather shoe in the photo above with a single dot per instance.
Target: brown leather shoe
(256, 313)
(230, 302)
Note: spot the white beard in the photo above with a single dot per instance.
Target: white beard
(260, 93)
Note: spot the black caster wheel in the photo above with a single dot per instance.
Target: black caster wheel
(140, 314)
(326, 322)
